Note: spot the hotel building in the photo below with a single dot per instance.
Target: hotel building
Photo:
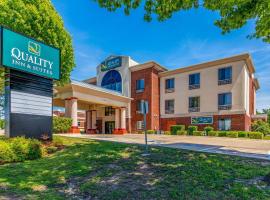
(219, 93)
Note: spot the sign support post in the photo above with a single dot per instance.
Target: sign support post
(144, 107)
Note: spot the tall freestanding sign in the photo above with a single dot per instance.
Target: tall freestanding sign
(31, 67)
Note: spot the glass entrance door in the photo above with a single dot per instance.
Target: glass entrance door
(109, 127)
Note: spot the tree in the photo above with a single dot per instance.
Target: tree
(267, 111)
(234, 13)
(39, 19)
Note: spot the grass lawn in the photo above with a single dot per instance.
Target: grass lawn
(89, 169)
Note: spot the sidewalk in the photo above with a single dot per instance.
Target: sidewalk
(232, 146)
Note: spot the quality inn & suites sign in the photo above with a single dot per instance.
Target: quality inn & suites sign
(25, 54)
(31, 66)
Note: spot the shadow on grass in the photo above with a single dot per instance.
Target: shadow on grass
(106, 170)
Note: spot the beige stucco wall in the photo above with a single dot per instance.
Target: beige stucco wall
(208, 91)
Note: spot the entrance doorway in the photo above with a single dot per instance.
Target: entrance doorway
(109, 127)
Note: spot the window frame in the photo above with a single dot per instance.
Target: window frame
(138, 84)
(195, 85)
(169, 89)
(225, 119)
(167, 111)
(225, 80)
(191, 108)
(225, 106)
(109, 111)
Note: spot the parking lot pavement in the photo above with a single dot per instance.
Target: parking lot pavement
(232, 146)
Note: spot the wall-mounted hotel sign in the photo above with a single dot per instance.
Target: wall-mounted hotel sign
(31, 67)
(111, 64)
(201, 120)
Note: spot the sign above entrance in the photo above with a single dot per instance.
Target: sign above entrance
(28, 55)
(111, 64)
(201, 120)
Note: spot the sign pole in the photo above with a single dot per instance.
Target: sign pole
(144, 107)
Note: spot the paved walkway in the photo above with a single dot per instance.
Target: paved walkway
(232, 146)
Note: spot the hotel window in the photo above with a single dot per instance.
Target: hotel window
(140, 85)
(109, 111)
(225, 76)
(194, 81)
(224, 124)
(169, 85)
(194, 104)
(169, 106)
(139, 106)
(225, 101)
(139, 125)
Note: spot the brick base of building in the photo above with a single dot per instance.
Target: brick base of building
(239, 122)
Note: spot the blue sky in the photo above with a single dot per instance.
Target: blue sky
(189, 37)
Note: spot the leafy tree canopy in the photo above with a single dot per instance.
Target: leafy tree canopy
(233, 13)
(39, 19)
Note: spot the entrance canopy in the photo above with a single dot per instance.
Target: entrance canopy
(89, 95)
(83, 96)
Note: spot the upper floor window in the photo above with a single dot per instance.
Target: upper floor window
(169, 106)
(225, 101)
(140, 85)
(112, 81)
(109, 111)
(194, 104)
(169, 85)
(194, 81)
(225, 76)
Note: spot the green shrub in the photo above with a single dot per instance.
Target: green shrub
(207, 129)
(151, 131)
(51, 149)
(213, 133)
(182, 132)
(198, 133)
(232, 134)
(34, 149)
(61, 124)
(175, 128)
(167, 132)
(243, 134)
(260, 126)
(6, 153)
(255, 135)
(19, 146)
(57, 142)
(222, 133)
(267, 137)
(2, 123)
(191, 129)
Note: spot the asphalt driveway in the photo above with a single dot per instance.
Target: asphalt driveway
(232, 146)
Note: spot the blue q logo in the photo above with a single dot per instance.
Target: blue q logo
(34, 48)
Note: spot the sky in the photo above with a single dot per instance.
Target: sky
(189, 37)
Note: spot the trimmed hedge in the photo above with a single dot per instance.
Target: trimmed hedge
(198, 133)
(191, 129)
(208, 129)
(255, 135)
(213, 133)
(232, 134)
(19, 149)
(150, 131)
(167, 132)
(181, 132)
(175, 128)
(243, 134)
(221, 133)
(61, 124)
